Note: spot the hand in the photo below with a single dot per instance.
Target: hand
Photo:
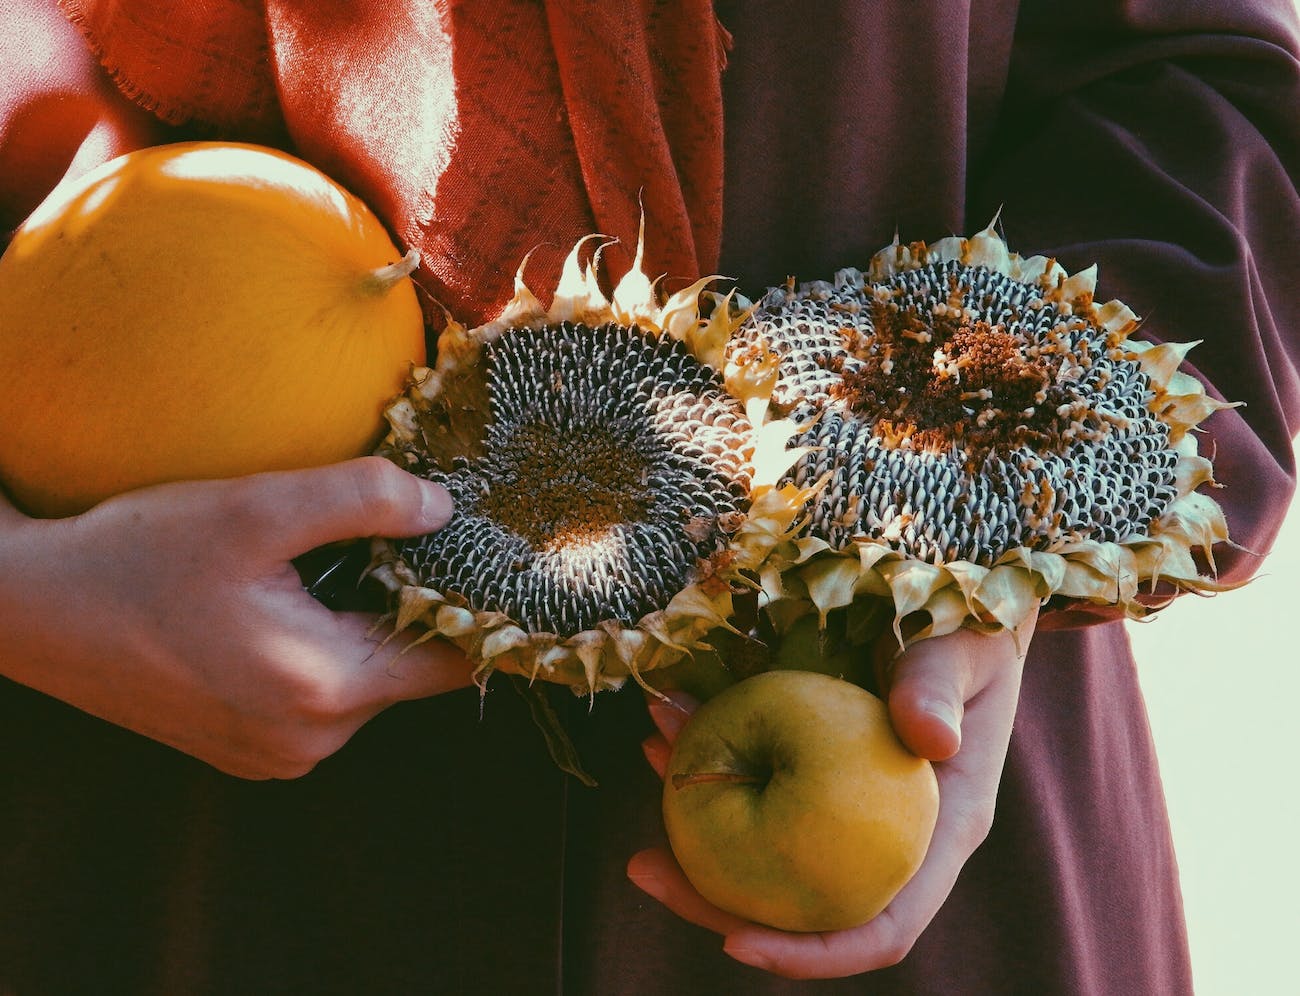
(952, 700)
(174, 611)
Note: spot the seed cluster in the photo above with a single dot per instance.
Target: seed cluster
(614, 464)
(583, 482)
(956, 414)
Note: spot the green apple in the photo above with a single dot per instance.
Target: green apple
(807, 646)
(704, 673)
(790, 801)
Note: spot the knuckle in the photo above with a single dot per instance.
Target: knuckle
(896, 945)
(896, 950)
(292, 768)
(241, 509)
(245, 770)
(270, 754)
(317, 699)
(379, 486)
(299, 756)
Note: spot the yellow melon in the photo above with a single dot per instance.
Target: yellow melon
(196, 310)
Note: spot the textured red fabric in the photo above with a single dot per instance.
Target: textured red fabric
(189, 61)
(480, 144)
(459, 122)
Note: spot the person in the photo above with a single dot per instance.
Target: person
(212, 786)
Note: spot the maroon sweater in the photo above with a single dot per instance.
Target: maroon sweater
(441, 853)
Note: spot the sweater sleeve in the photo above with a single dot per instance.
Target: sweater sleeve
(1161, 140)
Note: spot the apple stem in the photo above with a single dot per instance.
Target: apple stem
(684, 778)
(384, 278)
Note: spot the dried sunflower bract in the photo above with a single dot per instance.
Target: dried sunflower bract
(609, 486)
(980, 435)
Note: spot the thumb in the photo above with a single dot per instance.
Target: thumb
(935, 679)
(931, 681)
(295, 511)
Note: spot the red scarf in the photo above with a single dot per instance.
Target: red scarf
(478, 130)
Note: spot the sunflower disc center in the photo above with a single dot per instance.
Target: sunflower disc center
(610, 463)
(956, 413)
(943, 379)
(567, 487)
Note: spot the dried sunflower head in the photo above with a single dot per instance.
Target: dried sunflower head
(980, 436)
(606, 480)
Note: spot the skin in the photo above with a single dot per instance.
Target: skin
(175, 611)
(951, 700)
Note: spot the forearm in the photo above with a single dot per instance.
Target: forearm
(29, 652)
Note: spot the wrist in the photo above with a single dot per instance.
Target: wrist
(18, 611)
(36, 626)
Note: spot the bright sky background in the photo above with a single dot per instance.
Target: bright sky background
(1224, 697)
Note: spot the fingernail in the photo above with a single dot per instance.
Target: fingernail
(436, 506)
(945, 713)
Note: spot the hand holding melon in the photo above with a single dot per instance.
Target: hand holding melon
(172, 611)
(204, 311)
(199, 310)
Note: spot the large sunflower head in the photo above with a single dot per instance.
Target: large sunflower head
(605, 482)
(982, 435)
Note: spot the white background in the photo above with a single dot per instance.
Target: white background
(1222, 681)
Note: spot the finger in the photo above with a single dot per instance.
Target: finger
(658, 752)
(934, 680)
(337, 672)
(380, 667)
(928, 689)
(671, 713)
(968, 781)
(656, 872)
(352, 666)
(289, 512)
(879, 943)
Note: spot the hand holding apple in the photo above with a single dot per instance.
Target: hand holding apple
(952, 700)
(789, 799)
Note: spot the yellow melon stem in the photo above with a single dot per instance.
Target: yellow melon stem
(385, 278)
